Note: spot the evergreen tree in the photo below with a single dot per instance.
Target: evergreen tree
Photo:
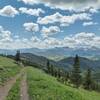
(88, 80)
(17, 57)
(55, 72)
(48, 66)
(59, 73)
(76, 73)
(66, 76)
(52, 70)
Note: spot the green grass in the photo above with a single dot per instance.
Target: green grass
(14, 93)
(45, 87)
(8, 69)
(40, 85)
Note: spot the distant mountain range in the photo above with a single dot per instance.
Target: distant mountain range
(42, 61)
(58, 52)
(66, 63)
(84, 63)
(61, 57)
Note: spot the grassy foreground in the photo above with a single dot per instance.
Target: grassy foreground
(45, 87)
(40, 85)
(14, 93)
(8, 69)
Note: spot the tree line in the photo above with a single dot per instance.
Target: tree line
(74, 77)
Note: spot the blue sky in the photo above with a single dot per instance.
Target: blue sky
(48, 24)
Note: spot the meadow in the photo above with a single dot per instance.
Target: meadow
(8, 69)
(41, 86)
(45, 87)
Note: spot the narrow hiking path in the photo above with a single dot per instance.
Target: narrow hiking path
(7, 86)
(24, 88)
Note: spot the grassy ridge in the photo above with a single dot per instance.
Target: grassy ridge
(8, 69)
(40, 85)
(45, 87)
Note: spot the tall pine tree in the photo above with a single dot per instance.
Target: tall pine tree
(48, 66)
(17, 57)
(88, 79)
(59, 73)
(76, 73)
(52, 70)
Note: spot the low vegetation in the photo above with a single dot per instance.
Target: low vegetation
(14, 93)
(8, 69)
(42, 86)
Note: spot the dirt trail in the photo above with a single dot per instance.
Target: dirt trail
(7, 86)
(24, 88)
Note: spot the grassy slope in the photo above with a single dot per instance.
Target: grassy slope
(45, 87)
(8, 69)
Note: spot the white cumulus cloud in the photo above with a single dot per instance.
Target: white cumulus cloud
(31, 2)
(89, 23)
(5, 35)
(8, 11)
(79, 40)
(31, 27)
(67, 4)
(33, 12)
(82, 40)
(63, 20)
(50, 31)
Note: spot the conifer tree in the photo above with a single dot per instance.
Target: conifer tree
(66, 76)
(55, 72)
(17, 57)
(59, 73)
(48, 66)
(88, 80)
(52, 70)
(76, 73)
